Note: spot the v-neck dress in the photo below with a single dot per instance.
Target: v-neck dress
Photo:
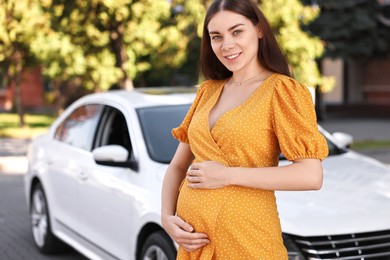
(243, 223)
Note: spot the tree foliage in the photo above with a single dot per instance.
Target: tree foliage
(187, 17)
(106, 42)
(19, 19)
(351, 29)
(99, 43)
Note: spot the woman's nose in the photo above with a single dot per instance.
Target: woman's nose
(227, 45)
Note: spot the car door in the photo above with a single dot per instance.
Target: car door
(68, 159)
(106, 193)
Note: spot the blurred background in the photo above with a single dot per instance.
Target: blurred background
(55, 51)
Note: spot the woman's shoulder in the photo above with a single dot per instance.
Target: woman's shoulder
(282, 79)
(286, 83)
(211, 85)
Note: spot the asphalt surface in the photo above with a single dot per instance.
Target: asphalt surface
(15, 236)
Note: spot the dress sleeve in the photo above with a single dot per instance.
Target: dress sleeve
(295, 122)
(180, 132)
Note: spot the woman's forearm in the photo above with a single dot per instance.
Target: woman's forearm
(170, 190)
(305, 174)
(173, 177)
(302, 174)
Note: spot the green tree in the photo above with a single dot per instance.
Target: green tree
(19, 20)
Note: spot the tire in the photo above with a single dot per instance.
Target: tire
(44, 239)
(158, 246)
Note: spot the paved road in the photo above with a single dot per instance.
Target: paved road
(16, 242)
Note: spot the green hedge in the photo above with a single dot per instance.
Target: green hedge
(35, 125)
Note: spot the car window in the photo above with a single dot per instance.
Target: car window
(157, 123)
(113, 129)
(79, 127)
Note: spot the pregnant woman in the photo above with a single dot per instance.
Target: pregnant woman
(218, 197)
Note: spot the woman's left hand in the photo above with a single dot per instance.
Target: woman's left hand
(207, 175)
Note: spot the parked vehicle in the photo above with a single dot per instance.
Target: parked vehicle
(94, 182)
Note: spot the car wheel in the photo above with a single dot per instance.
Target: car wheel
(44, 239)
(158, 246)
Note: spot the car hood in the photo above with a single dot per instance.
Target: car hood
(354, 198)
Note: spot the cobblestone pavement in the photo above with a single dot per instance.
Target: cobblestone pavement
(16, 242)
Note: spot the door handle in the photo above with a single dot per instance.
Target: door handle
(83, 176)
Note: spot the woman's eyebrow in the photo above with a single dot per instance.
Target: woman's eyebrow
(230, 29)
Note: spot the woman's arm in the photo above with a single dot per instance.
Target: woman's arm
(182, 232)
(302, 174)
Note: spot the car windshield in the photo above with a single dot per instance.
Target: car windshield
(157, 123)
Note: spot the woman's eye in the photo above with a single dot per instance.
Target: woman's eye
(216, 38)
(237, 32)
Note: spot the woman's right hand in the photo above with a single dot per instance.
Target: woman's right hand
(183, 233)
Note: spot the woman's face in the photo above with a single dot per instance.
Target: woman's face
(234, 40)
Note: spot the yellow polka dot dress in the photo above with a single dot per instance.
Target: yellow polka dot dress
(243, 223)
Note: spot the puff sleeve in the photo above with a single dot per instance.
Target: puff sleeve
(181, 132)
(295, 123)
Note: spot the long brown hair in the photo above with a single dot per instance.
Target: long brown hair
(269, 53)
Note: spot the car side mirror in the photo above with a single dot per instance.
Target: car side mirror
(344, 139)
(113, 155)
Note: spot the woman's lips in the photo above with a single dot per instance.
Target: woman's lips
(233, 56)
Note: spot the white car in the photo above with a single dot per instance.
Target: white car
(94, 182)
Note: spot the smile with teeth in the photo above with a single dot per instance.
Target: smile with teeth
(233, 56)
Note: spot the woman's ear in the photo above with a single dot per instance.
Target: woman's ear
(259, 32)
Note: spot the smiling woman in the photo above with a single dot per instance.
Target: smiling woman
(226, 165)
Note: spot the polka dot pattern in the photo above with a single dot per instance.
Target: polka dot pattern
(243, 223)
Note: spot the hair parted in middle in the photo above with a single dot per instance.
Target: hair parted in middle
(269, 53)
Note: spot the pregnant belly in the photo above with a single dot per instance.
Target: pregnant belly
(201, 208)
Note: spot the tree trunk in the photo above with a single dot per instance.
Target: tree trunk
(128, 84)
(119, 49)
(58, 99)
(17, 90)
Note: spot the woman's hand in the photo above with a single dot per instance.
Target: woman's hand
(183, 233)
(207, 175)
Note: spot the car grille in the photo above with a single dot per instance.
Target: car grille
(362, 246)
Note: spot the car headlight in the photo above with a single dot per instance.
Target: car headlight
(294, 253)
